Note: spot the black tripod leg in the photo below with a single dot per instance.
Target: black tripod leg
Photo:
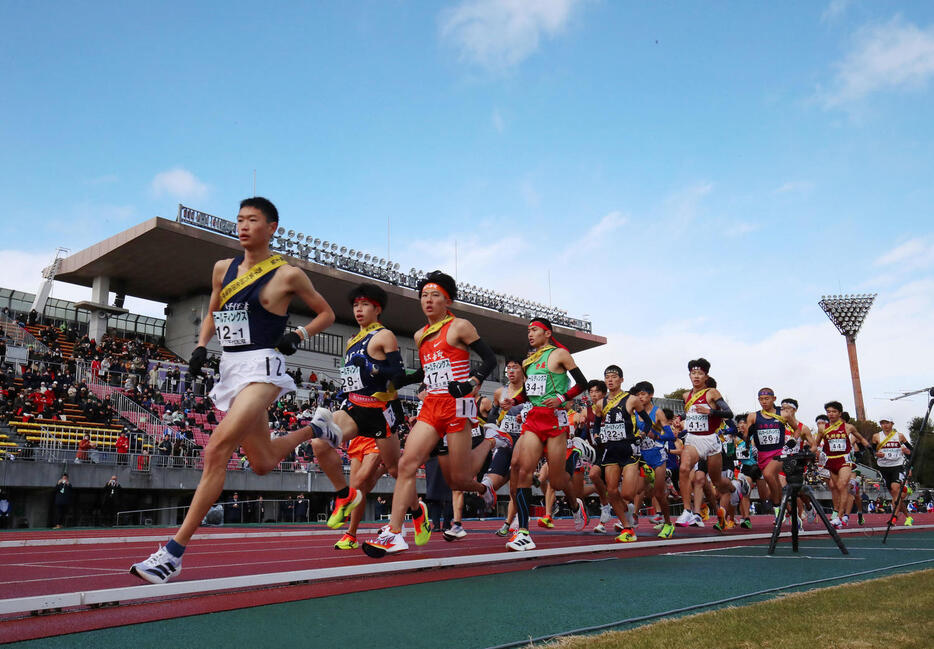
(820, 512)
(794, 518)
(778, 520)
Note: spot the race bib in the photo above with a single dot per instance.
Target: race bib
(613, 433)
(769, 437)
(232, 327)
(695, 422)
(510, 425)
(476, 431)
(438, 374)
(466, 407)
(562, 417)
(350, 378)
(390, 416)
(536, 385)
(891, 453)
(837, 446)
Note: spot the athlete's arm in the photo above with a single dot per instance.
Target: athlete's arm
(566, 362)
(391, 365)
(722, 410)
(299, 284)
(750, 425)
(806, 434)
(851, 429)
(200, 353)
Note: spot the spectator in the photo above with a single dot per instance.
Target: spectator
(111, 500)
(63, 496)
(165, 448)
(301, 509)
(258, 510)
(233, 510)
(6, 509)
(123, 447)
(84, 447)
(154, 376)
(142, 461)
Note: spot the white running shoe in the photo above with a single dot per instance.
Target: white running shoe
(811, 514)
(698, 521)
(520, 542)
(455, 532)
(658, 518)
(387, 543)
(160, 567)
(618, 526)
(606, 513)
(599, 529)
(501, 440)
(685, 519)
(326, 429)
(580, 516)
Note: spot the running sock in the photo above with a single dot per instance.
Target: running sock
(523, 496)
(343, 493)
(175, 549)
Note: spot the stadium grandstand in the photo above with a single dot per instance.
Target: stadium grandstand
(91, 372)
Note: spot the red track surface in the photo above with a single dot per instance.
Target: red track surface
(102, 564)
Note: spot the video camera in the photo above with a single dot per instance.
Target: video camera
(794, 465)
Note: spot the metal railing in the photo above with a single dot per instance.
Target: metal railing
(19, 337)
(240, 512)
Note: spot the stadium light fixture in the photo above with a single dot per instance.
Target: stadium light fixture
(847, 313)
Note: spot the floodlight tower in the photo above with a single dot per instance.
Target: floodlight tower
(847, 313)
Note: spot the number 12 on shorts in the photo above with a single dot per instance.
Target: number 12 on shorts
(273, 361)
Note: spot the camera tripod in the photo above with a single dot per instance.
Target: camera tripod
(795, 486)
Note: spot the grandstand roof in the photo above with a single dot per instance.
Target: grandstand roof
(164, 261)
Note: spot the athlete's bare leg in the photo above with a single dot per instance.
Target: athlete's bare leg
(363, 477)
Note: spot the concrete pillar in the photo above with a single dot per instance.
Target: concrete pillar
(97, 320)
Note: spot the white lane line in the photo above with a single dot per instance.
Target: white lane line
(760, 556)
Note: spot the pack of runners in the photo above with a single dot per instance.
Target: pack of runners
(635, 454)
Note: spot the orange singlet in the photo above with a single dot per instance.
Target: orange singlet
(443, 363)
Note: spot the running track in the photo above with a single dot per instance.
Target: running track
(49, 562)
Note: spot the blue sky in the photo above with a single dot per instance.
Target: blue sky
(694, 176)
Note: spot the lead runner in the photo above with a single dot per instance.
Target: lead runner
(248, 312)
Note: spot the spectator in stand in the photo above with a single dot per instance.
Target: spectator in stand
(142, 460)
(165, 448)
(84, 448)
(154, 376)
(63, 497)
(178, 451)
(123, 447)
(111, 500)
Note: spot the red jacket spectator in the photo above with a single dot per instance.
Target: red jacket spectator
(84, 446)
(123, 443)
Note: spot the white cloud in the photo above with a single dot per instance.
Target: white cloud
(914, 253)
(892, 55)
(834, 10)
(500, 34)
(596, 236)
(178, 183)
(794, 186)
(683, 205)
(497, 120)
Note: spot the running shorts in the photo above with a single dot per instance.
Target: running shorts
(706, 445)
(752, 470)
(239, 369)
(765, 457)
(545, 422)
(619, 453)
(892, 474)
(834, 464)
(440, 412)
(372, 421)
(502, 460)
(654, 457)
(361, 446)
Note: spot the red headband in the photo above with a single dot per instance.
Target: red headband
(435, 287)
(542, 325)
(366, 299)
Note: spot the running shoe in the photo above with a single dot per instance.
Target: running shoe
(721, 518)
(343, 507)
(836, 522)
(489, 496)
(618, 526)
(503, 531)
(520, 542)
(626, 536)
(668, 530)
(422, 525)
(347, 542)
(325, 428)
(658, 526)
(160, 567)
(811, 514)
(388, 542)
(730, 523)
(606, 513)
(580, 516)
(746, 524)
(860, 519)
(698, 521)
(685, 519)
(599, 529)
(658, 518)
(546, 522)
(705, 512)
(501, 440)
(909, 521)
(456, 531)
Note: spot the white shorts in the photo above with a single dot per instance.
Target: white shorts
(239, 369)
(706, 445)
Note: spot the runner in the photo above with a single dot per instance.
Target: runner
(766, 430)
(704, 409)
(749, 467)
(835, 438)
(596, 391)
(365, 469)
(621, 442)
(546, 426)
(892, 448)
(248, 311)
(444, 346)
(371, 361)
(655, 459)
(800, 434)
